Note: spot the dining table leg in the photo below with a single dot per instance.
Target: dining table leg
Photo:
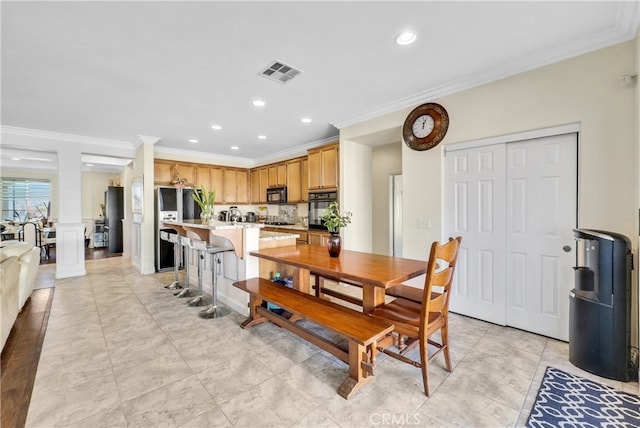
(372, 297)
(302, 280)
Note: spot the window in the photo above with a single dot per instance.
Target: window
(25, 198)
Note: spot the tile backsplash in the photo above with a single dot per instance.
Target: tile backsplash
(288, 213)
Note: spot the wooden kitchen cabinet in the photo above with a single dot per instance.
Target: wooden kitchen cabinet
(162, 173)
(204, 179)
(188, 172)
(323, 167)
(318, 238)
(255, 186)
(242, 186)
(304, 179)
(277, 174)
(264, 183)
(216, 180)
(294, 191)
(235, 186)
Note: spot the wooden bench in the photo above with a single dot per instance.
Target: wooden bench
(361, 331)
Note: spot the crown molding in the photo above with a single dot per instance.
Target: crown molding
(58, 136)
(293, 152)
(205, 157)
(143, 139)
(626, 28)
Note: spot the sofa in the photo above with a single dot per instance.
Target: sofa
(16, 286)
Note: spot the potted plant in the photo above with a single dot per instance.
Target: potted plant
(206, 201)
(334, 221)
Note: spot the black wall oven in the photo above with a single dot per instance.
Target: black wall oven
(318, 203)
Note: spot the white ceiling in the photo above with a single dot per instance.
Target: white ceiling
(116, 70)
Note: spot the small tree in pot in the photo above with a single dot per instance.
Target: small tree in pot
(206, 201)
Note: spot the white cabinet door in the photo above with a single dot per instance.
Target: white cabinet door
(474, 209)
(515, 206)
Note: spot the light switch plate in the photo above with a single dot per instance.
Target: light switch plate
(424, 223)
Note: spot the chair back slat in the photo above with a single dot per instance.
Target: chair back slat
(439, 302)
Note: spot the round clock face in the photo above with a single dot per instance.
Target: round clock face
(425, 126)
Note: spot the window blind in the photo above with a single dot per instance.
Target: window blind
(23, 199)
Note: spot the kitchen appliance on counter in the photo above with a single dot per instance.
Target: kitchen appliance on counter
(222, 216)
(251, 217)
(234, 214)
(318, 203)
(277, 195)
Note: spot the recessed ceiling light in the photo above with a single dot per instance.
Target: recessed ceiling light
(306, 120)
(234, 147)
(89, 164)
(406, 38)
(259, 103)
(193, 140)
(15, 159)
(216, 127)
(262, 137)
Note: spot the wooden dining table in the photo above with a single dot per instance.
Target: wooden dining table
(374, 272)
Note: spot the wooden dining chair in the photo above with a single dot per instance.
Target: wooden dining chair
(415, 322)
(409, 292)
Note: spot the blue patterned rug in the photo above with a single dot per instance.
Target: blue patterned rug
(565, 400)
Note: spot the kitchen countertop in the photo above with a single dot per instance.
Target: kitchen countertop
(215, 224)
(275, 236)
(286, 226)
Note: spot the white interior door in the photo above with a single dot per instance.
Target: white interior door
(541, 213)
(515, 206)
(395, 184)
(474, 208)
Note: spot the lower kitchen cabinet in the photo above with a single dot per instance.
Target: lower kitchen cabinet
(318, 238)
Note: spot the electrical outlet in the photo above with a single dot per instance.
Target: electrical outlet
(424, 223)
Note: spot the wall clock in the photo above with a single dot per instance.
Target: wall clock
(425, 126)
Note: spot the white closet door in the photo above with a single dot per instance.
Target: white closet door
(514, 205)
(541, 213)
(474, 209)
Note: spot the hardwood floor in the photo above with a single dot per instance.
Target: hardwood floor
(20, 356)
(89, 254)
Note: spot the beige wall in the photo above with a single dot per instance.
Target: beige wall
(582, 90)
(94, 184)
(386, 160)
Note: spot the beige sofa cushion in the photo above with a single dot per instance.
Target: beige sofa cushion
(9, 272)
(29, 258)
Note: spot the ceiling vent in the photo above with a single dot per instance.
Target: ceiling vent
(280, 72)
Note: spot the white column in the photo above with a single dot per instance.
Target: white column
(69, 227)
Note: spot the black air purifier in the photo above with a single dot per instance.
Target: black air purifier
(600, 306)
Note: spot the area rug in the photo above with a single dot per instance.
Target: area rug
(566, 400)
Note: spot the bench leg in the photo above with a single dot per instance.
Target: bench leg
(360, 370)
(254, 317)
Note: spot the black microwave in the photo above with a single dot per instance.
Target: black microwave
(277, 195)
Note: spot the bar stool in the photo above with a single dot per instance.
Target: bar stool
(200, 247)
(218, 246)
(174, 239)
(186, 244)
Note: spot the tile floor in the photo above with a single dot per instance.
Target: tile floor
(120, 351)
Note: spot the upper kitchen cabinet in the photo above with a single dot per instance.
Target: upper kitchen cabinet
(204, 179)
(162, 172)
(264, 183)
(304, 178)
(165, 172)
(216, 179)
(186, 172)
(277, 175)
(255, 186)
(236, 186)
(295, 180)
(323, 167)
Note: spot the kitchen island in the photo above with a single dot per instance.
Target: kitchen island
(237, 265)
